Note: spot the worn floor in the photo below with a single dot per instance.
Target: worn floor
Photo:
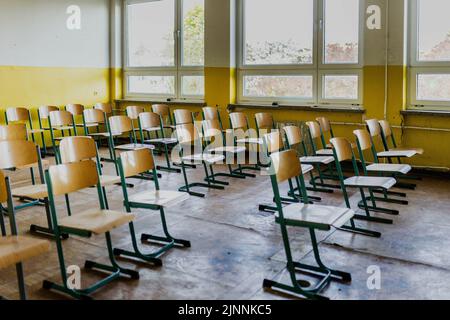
(234, 247)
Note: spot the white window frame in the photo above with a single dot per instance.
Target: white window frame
(418, 67)
(317, 68)
(178, 70)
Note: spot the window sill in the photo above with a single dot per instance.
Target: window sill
(186, 103)
(433, 113)
(350, 109)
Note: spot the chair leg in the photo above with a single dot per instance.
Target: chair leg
(240, 172)
(187, 187)
(2, 221)
(168, 167)
(48, 231)
(84, 294)
(21, 282)
(152, 258)
(368, 217)
(292, 267)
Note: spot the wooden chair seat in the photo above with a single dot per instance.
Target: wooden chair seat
(317, 160)
(397, 154)
(160, 198)
(370, 182)
(169, 126)
(63, 128)
(109, 180)
(416, 150)
(251, 141)
(89, 125)
(307, 168)
(206, 157)
(99, 134)
(317, 216)
(15, 249)
(134, 146)
(389, 168)
(45, 163)
(325, 152)
(34, 131)
(163, 141)
(37, 191)
(153, 129)
(228, 149)
(96, 221)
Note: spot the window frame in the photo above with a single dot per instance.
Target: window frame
(417, 67)
(317, 68)
(179, 70)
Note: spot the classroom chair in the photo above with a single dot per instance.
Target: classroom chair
(67, 179)
(191, 150)
(163, 110)
(23, 115)
(286, 166)
(43, 115)
(152, 123)
(15, 249)
(343, 151)
(76, 149)
(134, 163)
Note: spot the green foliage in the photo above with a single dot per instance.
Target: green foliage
(194, 36)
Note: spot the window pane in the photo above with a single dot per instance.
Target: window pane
(193, 32)
(341, 31)
(164, 85)
(279, 86)
(434, 30)
(150, 34)
(193, 85)
(340, 87)
(278, 32)
(433, 87)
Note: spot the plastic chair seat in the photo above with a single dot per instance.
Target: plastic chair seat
(15, 249)
(96, 221)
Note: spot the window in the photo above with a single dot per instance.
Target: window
(300, 51)
(164, 54)
(430, 53)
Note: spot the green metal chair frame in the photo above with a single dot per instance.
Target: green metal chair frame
(29, 121)
(160, 138)
(385, 193)
(63, 133)
(323, 175)
(326, 274)
(42, 117)
(209, 139)
(47, 231)
(167, 240)
(313, 179)
(363, 204)
(241, 168)
(114, 268)
(191, 142)
(14, 231)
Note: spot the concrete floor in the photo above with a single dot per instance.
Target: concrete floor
(234, 247)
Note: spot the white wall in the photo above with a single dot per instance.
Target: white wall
(34, 33)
